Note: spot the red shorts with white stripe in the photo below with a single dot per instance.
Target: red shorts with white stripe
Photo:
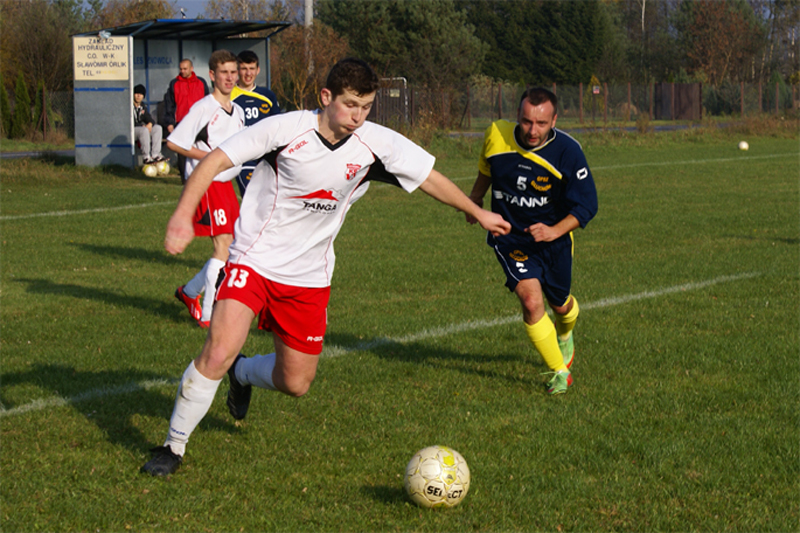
(217, 211)
(298, 315)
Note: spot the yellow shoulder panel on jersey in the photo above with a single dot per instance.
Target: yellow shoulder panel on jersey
(500, 140)
(238, 91)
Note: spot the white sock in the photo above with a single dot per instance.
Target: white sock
(257, 371)
(197, 283)
(195, 394)
(212, 273)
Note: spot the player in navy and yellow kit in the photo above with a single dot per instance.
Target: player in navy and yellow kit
(542, 185)
(257, 102)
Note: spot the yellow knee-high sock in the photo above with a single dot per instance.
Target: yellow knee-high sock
(565, 323)
(543, 337)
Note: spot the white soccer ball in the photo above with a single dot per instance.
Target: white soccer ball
(743, 145)
(150, 171)
(437, 476)
(162, 167)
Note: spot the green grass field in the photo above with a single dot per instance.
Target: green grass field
(683, 417)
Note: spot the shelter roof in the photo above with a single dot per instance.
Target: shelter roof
(192, 29)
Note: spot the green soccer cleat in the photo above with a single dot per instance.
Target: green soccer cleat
(567, 348)
(559, 383)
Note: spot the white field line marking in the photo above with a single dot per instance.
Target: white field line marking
(697, 161)
(684, 162)
(59, 401)
(335, 351)
(85, 211)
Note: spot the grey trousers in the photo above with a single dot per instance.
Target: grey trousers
(150, 143)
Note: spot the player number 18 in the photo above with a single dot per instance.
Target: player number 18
(220, 218)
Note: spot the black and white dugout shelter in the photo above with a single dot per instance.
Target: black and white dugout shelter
(109, 63)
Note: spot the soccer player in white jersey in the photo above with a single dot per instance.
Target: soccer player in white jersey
(209, 122)
(313, 166)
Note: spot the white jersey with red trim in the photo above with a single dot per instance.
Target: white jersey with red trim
(303, 187)
(205, 127)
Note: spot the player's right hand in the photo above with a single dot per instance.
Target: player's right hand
(180, 233)
(495, 223)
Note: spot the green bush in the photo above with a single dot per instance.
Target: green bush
(21, 121)
(5, 112)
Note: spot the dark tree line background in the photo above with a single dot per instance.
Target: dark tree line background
(444, 44)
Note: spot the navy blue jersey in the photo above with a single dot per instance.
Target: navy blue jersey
(543, 184)
(257, 103)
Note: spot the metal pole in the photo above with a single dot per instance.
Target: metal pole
(500, 101)
(469, 111)
(628, 114)
(269, 65)
(672, 101)
(741, 96)
(44, 113)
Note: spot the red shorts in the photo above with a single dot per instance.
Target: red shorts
(217, 211)
(298, 315)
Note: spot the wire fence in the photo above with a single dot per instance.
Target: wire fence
(479, 104)
(58, 122)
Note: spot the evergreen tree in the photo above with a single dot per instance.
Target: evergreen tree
(537, 42)
(21, 122)
(5, 112)
(429, 42)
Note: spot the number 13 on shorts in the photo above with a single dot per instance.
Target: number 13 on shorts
(238, 278)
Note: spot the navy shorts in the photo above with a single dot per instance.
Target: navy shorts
(550, 263)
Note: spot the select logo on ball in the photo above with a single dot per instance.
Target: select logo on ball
(437, 476)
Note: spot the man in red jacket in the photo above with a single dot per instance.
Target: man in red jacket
(186, 89)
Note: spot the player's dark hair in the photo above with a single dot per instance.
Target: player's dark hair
(538, 96)
(354, 75)
(219, 57)
(247, 57)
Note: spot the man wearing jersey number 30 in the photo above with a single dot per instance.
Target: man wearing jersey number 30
(542, 185)
(313, 166)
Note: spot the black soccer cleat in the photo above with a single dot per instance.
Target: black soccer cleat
(163, 463)
(238, 394)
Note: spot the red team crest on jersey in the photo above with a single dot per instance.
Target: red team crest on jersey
(352, 170)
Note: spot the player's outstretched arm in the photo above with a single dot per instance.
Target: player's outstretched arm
(482, 184)
(447, 192)
(180, 229)
(193, 152)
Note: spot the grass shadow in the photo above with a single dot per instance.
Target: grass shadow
(111, 400)
(483, 365)
(385, 494)
(141, 254)
(165, 308)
